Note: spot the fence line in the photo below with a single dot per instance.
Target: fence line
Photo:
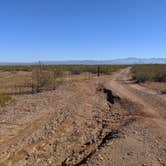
(45, 78)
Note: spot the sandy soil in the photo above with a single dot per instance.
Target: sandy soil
(103, 121)
(143, 141)
(159, 87)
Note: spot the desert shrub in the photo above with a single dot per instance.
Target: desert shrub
(45, 78)
(4, 100)
(143, 73)
(104, 69)
(74, 69)
(16, 68)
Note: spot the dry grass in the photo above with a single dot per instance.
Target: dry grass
(10, 81)
(32, 79)
(5, 100)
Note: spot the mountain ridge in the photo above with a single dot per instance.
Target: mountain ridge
(127, 61)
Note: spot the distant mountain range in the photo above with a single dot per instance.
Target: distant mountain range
(94, 62)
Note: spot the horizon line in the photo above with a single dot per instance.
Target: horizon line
(69, 60)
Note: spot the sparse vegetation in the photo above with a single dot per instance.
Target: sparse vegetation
(4, 100)
(39, 77)
(82, 107)
(74, 69)
(154, 72)
(45, 78)
(16, 68)
(48, 76)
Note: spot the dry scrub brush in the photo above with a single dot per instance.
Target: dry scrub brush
(154, 72)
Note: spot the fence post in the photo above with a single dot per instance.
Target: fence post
(98, 71)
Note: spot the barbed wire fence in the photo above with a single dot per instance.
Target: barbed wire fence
(45, 77)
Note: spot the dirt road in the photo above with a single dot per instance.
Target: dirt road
(152, 102)
(84, 123)
(143, 141)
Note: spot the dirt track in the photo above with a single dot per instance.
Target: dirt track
(78, 125)
(143, 141)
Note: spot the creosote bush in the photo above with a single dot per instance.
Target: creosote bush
(154, 72)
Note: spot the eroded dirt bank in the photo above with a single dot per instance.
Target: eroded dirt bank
(62, 127)
(110, 121)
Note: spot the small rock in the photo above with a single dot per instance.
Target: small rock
(129, 153)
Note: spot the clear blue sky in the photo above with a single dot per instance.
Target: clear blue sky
(32, 30)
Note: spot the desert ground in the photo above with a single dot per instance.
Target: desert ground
(104, 121)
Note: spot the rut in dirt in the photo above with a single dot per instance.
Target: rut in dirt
(108, 137)
(105, 136)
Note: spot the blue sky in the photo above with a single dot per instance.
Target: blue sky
(32, 30)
